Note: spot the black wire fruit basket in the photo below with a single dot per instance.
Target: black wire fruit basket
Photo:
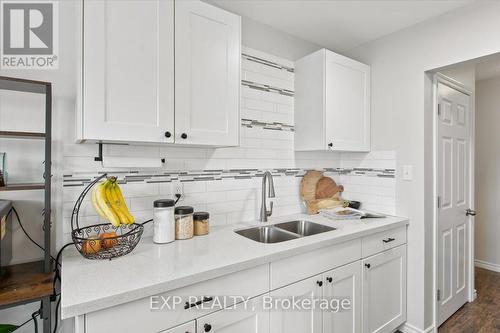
(103, 241)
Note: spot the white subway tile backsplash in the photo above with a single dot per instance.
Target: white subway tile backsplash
(233, 200)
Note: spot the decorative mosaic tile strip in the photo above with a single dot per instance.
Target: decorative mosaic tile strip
(267, 62)
(124, 177)
(265, 87)
(268, 126)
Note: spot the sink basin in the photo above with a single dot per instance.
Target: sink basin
(303, 228)
(267, 234)
(283, 231)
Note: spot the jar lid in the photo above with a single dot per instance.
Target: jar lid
(164, 203)
(201, 216)
(182, 210)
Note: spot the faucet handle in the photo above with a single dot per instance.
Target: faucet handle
(270, 212)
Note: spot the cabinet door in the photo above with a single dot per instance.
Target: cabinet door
(343, 286)
(128, 70)
(185, 328)
(207, 74)
(293, 321)
(384, 290)
(347, 104)
(246, 317)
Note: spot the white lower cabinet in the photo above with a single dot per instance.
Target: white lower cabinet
(334, 289)
(292, 320)
(384, 291)
(246, 317)
(184, 328)
(343, 287)
(337, 298)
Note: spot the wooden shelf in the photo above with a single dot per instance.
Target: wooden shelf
(24, 283)
(23, 187)
(22, 135)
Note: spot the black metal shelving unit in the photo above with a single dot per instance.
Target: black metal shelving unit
(31, 282)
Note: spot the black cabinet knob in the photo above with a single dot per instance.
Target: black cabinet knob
(329, 279)
(330, 145)
(320, 283)
(184, 135)
(207, 327)
(368, 265)
(168, 134)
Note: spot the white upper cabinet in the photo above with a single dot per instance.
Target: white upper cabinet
(128, 71)
(130, 54)
(332, 103)
(207, 74)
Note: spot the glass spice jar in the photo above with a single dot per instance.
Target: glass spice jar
(184, 222)
(201, 223)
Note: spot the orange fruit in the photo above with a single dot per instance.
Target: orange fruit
(108, 239)
(91, 246)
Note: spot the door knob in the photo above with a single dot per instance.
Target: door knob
(184, 135)
(207, 327)
(329, 279)
(368, 266)
(470, 212)
(320, 283)
(168, 134)
(330, 145)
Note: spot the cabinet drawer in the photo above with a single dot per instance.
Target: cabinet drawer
(383, 241)
(148, 315)
(298, 267)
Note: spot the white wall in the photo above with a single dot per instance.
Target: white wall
(399, 92)
(487, 243)
(267, 39)
(259, 150)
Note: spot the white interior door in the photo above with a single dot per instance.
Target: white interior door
(128, 72)
(207, 74)
(453, 149)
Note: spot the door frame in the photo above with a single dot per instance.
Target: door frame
(443, 79)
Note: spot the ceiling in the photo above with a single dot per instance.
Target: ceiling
(340, 25)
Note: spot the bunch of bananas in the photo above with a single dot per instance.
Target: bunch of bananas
(108, 202)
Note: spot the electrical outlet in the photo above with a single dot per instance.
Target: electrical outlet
(177, 188)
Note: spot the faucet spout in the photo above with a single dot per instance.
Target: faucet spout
(264, 213)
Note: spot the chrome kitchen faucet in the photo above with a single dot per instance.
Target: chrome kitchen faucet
(264, 213)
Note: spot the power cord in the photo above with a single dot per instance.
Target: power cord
(57, 276)
(24, 230)
(35, 322)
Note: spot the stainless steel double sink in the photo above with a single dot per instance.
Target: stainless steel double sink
(285, 231)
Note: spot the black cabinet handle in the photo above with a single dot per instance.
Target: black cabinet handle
(207, 327)
(330, 145)
(368, 266)
(168, 134)
(184, 136)
(320, 283)
(204, 300)
(388, 240)
(329, 279)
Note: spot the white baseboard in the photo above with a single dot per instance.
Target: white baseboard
(487, 265)
(409, 328)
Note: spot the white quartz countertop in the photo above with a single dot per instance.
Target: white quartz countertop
(90, 285)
